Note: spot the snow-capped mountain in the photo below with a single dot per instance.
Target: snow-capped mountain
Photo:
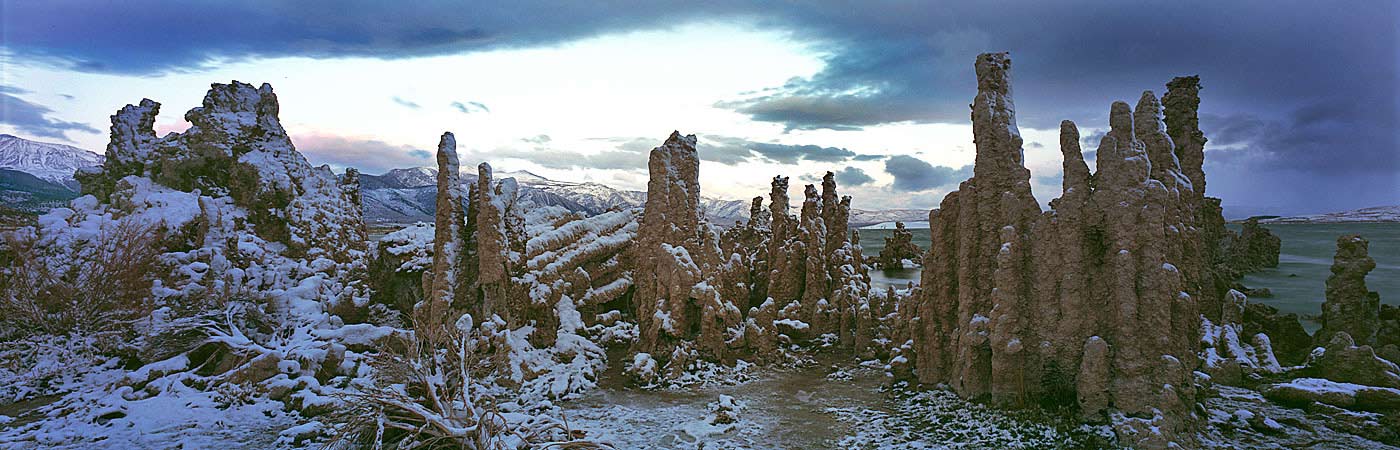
(1373, 214)
(54, 163)
(401, 179)
(916, 225)
(862, 217)
(409, 195)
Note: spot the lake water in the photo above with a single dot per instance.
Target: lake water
(1307, 253)
(872, 241)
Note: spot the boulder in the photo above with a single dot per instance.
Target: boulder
(1344, 361)
(1304, 391)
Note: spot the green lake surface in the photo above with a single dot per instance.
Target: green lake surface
(1299, 283)
(872, 241)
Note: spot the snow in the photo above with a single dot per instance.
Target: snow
(1373, 214)
(1223, 342)
(416, 241)
(55, 163)
(406, 195)
(792, 323)
(919, 224)
(1324, 386)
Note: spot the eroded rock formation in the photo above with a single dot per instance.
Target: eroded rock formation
(1254, 248)
(497, 229)
(397, 265)
(1228, 353)
(898, 248)
(1350, 307)
(236, 146)
(678, 310)
(817, 282)
(1093, 302)
(1291, 342)
(446, 284)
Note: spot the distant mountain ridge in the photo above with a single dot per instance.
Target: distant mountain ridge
(409, 195)
(1373, 214)
(36, 176)
(50, 162)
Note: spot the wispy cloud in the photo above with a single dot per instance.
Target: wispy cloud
(406, 103)
(33, 118)
(369, 155)
(470, 107)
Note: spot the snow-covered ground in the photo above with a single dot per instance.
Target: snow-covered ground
(833, 404)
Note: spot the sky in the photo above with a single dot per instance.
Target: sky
(1301, 100)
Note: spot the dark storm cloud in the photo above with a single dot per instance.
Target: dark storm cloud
(790, 154)
(1283, 98)
(852, 176)
(1317, 137)
(913, 174)
(734, 150)
(32, 118)
(154, 36)
(884, 63)
(1072, 59)
(724, 150)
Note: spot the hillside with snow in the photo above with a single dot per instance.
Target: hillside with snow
(407, 196)
(1374, 214)
(399, 196)
(891, 225)
(54, 163)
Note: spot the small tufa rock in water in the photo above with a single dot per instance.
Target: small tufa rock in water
(1254, 248)
(1350, 307)
(898, 248)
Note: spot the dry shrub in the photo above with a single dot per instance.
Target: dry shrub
(427, 395)
(104, 288)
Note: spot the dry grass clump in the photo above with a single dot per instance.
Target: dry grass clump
(101, 289)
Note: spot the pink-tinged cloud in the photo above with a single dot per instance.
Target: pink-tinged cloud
(369, 155)
(166, 127)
